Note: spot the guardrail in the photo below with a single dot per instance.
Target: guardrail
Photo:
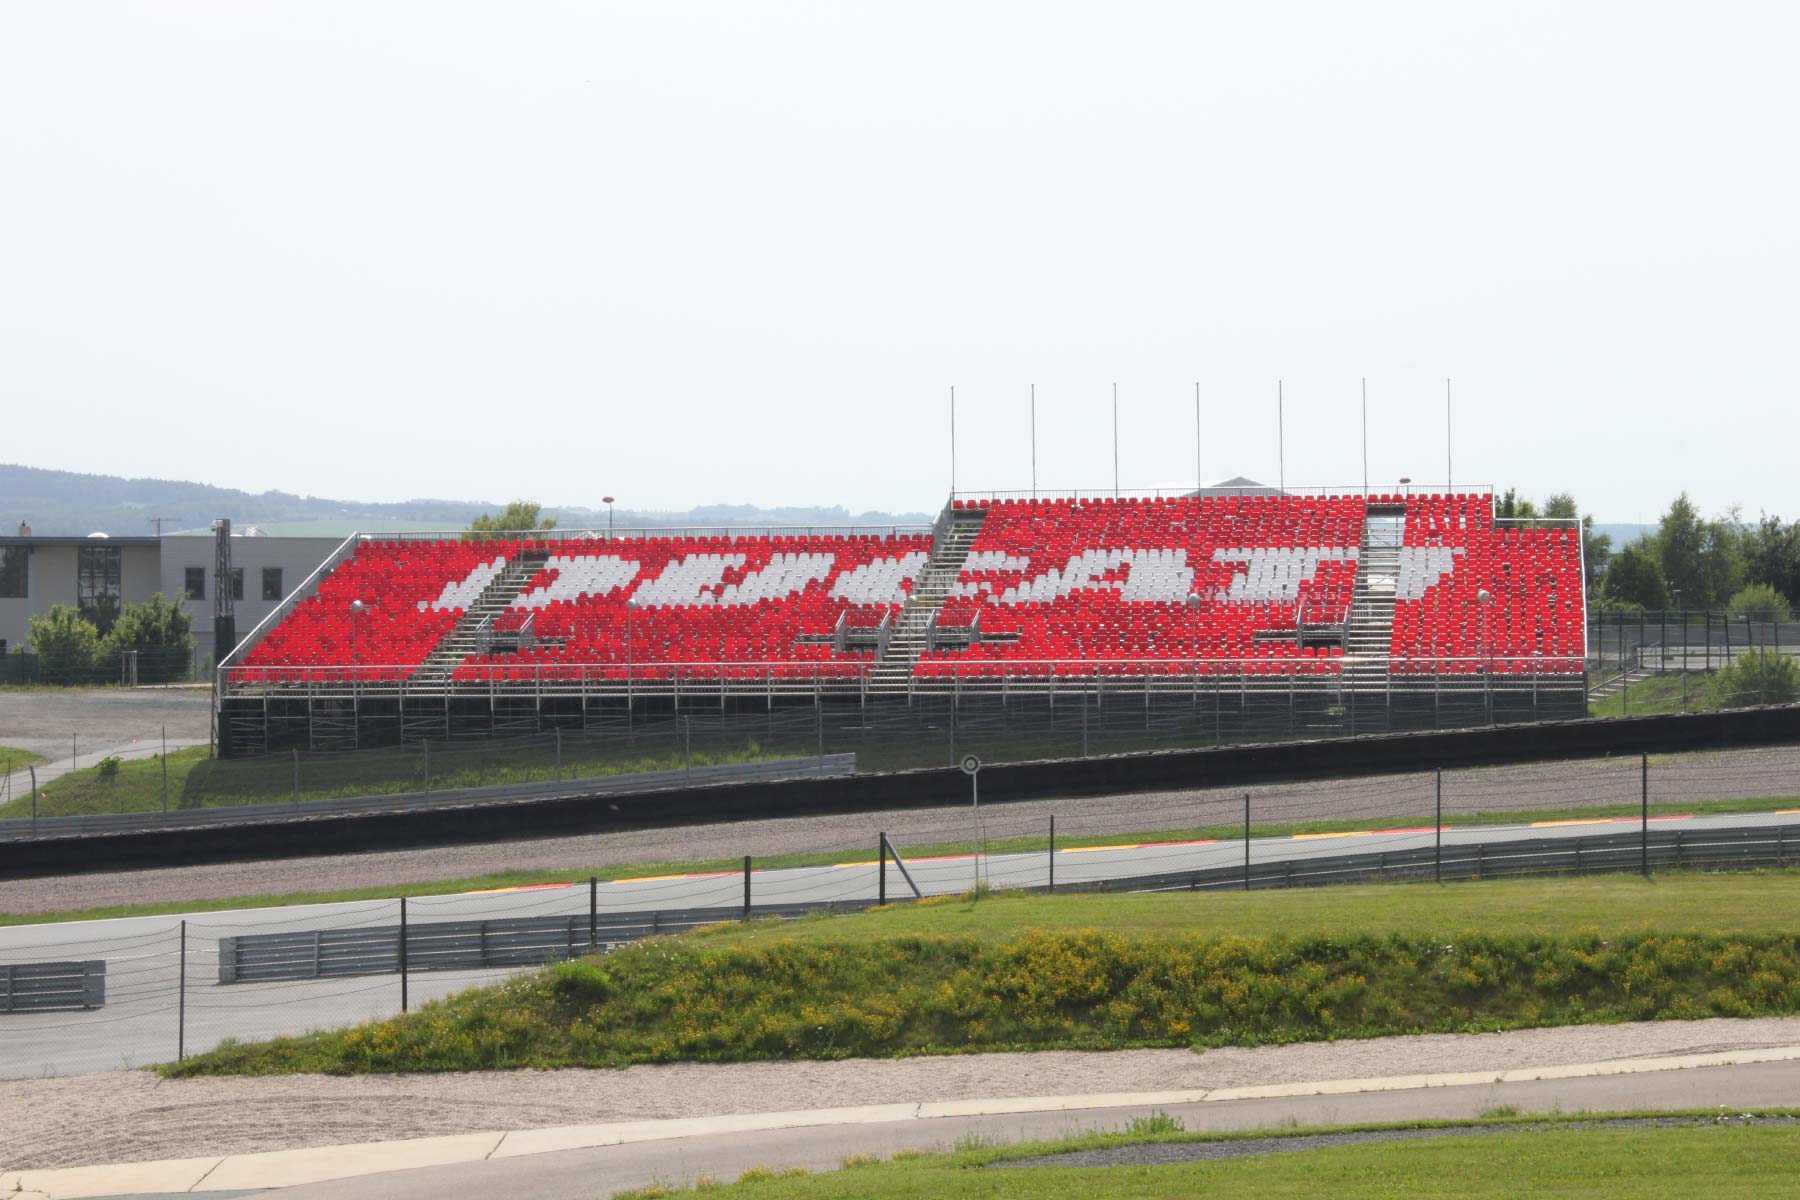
(1745, 848)
(513, 943)
(504, 943)
(828, 766)
(49, 986)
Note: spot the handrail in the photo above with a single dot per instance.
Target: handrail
(1350, 491)
(307, 587)
(602, 534)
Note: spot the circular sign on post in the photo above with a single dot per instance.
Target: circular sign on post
(970, 764)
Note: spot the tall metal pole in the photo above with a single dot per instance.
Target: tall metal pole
(952, 442)
(593, 914)
(1034, 441)
(881, 868)
(1246, 841)
(403, 997)
(1199, 478)
(1365, 435)
(1053, 852)
(1115, 441)
(1437, 856)
(746, 887)
(1448, 462)
(181, 1001)
(1280, 438)
(1644, 818)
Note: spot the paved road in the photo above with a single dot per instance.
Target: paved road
(146, 1002)
(585, 1174)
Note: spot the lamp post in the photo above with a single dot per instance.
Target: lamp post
(608, 501)
(1406, 483)
(356, 610)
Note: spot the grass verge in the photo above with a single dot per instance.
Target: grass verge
(1675, 692)
(14, 759)
(1538, 1156)
(919, 980)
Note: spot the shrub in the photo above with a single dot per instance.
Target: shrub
(160, 632)
(1756, 678)
(1758, 602)
(67, 644)
(108, 767)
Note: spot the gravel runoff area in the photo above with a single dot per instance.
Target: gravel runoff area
(41, 719)
(1157, 1153)
(131, 1116)
(1675, 779)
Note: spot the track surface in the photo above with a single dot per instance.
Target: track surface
(145, 960)
(582, 1174)
(1381, 801)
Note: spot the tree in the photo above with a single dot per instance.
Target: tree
(1758, 602)
(160, 632)
(1680, 543)
(1596, 548)
(517, 517)
(1514, 507)
(1772, 555)
(66, 643)
(1635, 577)
(1756, 678)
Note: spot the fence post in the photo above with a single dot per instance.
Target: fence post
(33, 770)
(403, 954)
(296, 754)
(426, 743)
(881, 868)
(1644, 822)
(746, 887)
(165, 767)
(1246, 841)
(593, 914)
(687, 744)
(559, 754)
(1437, 853)
(1053, 852)
(181, 999)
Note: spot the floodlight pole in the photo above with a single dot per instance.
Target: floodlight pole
(1280, 438)
(1115, 441)
(1034, 441)
(1199, 478)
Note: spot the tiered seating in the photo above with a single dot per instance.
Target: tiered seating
(1453, 551)
(1153, 586)
(412, 592)
(737, 607)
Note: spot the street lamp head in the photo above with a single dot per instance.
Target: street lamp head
(1406, 479)
(1484, 596)
(357, 606)
(606, 499)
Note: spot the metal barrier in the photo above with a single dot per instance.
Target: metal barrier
(42, 987)
(469, 945)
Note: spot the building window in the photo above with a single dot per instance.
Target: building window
(271, 583)
(237, 583)
(97, 586)
(196, 583)
(15, 572)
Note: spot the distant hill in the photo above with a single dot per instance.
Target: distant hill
(66, 503)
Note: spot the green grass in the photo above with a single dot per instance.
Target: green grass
(14, 759)
(1537, 1157)
(1019, 972)
(1656, 694)
(197, 780)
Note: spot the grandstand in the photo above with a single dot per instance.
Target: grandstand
(1399, 609)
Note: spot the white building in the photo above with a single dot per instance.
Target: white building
(98, 574)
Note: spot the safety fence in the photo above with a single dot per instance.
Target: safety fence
(179, 984)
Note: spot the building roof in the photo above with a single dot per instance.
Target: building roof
(70, 540)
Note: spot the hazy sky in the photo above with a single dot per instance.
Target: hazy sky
(689, 253)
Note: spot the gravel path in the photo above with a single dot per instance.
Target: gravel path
(1390, 800)
(129, 1116)
(41, 719)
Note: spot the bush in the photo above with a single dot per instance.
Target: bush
(108, 767)
(1757, 678)
(161, 633)
(1758, 602)
(67, 644)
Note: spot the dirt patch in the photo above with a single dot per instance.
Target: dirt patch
(41, 719)
(130, 1116)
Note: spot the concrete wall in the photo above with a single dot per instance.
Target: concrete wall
(51, 580)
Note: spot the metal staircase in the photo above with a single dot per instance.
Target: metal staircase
(468, 636)
(911, 635)
(1369, 633)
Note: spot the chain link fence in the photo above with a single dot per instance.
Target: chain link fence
(179, 985)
